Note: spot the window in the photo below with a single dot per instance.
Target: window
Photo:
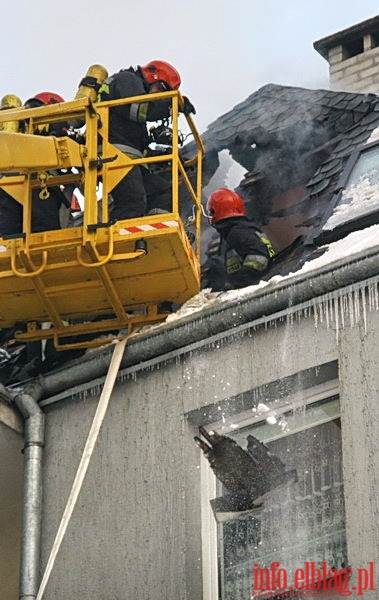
(355, 204)
(352, 48)
(303, 523)
(374, 39)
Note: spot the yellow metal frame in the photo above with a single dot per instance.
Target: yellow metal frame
(99, 277)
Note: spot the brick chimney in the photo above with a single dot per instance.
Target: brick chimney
(353, 57)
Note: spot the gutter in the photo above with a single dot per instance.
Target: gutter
(194, 330)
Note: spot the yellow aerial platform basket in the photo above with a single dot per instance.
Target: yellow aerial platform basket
(97, 277)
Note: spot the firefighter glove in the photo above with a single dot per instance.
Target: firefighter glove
(188, 107)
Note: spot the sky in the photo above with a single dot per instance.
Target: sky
(224, 50)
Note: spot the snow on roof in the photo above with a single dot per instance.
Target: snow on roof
(356, 200)
(353, 244)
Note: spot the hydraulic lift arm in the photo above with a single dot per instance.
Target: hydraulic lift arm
(28, 153)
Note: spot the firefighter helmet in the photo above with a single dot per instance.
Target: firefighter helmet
(10, 101)
(224, 203)
(161, 71)
(44, 98)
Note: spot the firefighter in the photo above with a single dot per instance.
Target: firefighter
(46, 99)
(10, 210)
(242, 253)
(140, 191)
(45, 211)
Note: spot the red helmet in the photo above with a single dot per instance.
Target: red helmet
(158, 70)
(45, 98)
(224, 203)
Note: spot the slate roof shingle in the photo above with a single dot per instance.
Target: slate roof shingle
(297, 132)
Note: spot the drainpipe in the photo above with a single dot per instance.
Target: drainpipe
(32, 492)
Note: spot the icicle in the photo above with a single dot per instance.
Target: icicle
(356, 305)
(363, 298)
(373, 292)
(370, 297)
(315, 313)
(321, 311)
(342, 301)
(351, 309)
(327, 314)
(336, 316)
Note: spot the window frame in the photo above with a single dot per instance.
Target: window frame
(326, 236)
(211, 487)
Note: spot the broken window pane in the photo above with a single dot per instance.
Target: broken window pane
(301, 523)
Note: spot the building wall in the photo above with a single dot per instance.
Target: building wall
(359, 385)
(136, 530)
(358, 73)
(11, 465)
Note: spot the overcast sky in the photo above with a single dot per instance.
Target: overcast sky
(224, 49)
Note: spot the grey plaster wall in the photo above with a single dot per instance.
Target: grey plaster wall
(128, 536)
(135, 532)
(359, 395)
(11, 466)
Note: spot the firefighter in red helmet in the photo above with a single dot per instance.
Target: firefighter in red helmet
(140, 190)
(43, 98)
(243, 252)
(161, 71)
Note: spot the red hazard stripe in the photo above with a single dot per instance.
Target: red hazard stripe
(132, 229)
(148, 227)
(160, 225)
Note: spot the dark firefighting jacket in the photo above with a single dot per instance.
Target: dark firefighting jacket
(240, 257)
(127, 125)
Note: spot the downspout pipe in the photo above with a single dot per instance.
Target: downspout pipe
(34, 435)
(218, 318)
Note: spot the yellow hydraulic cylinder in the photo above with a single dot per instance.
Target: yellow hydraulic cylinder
(89, 87)
(10, 101)
(91, 83)
(27, 153)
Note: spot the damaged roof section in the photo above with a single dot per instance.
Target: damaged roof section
(294, 144)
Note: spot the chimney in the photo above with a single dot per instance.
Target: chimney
(353, 57)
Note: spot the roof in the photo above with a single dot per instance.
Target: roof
(276, 107)
(292, 139)
(278, 118)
